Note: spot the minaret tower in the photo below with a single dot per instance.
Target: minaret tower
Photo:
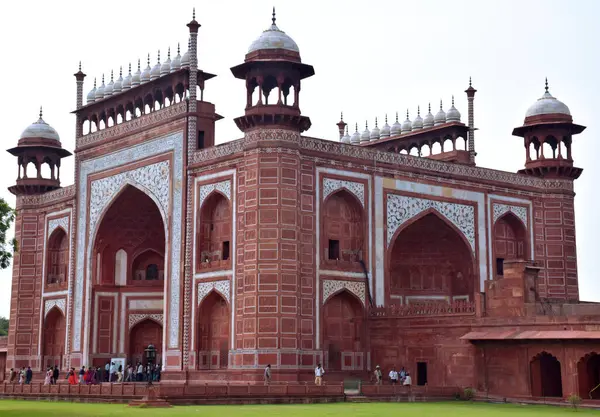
(548, 132)
(273, 67)
(471, 99)
(39, 144)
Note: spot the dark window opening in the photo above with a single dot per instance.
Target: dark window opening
(152, 272)
(499, 266)
(225, 250)
(201, 139)
(334, 249)
(421, 373)
(212, 227)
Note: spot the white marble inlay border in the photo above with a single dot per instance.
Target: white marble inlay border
(519, 211)
(331, 287)
(402, 208)
(331, 185)
(57, 302)
(172, 142)
(222, 286)
(223, 187)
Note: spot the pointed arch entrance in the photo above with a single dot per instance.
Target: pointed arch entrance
(134, 225)
(430, 260)
(146, 332)
(214, 231)
(343, 229)
(546, 380)
(53, 343)
(57, 258)
(213, 332)
(510, 241)
(588, 373)
(343, 331)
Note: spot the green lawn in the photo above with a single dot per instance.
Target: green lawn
(10, 408)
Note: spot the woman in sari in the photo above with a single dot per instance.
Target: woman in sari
(72, 377)
(48, 378)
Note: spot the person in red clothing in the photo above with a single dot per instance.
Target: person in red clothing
(72, 378)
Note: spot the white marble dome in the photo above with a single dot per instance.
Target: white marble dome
(407, 124)
(355, 138)
(118, 85)
(273, 38)
(155, 71)
(166, 66)
(417, 124)
(375, 131)
(547, 104)
(40, 129)
(91, 97)
(136, 79)
(428, 121)
(176, 62)
(346, 137)
(385, 129)
(366, 134)
(440, 117)
(145, 77)
(127, 80)
(396, 127)
(453, 115)
(100, 90)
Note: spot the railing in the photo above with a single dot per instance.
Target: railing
(425, 309)
(592, 390)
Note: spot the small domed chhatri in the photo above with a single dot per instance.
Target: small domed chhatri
(40, 130)
(547, 104)
(273, 38)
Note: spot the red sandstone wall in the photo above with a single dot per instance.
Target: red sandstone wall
(554, 222)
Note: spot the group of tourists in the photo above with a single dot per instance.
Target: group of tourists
(24, 376)
(319, 372)
(403, 377)
(92, 375)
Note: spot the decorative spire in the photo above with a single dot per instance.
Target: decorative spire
(430, 107)
(376, 123)
(342, 116)
(346, 130)
(130, 68)
(158, 59)
(440, 104)
(120, 71)
(418, 111)
(194, 13)
(546, 84)
(111, 76)
(356, 126)
(407, 114)
(470, 82)
(79, 65)
(102, 78)
(386, 118)
(452, 100)
(40, 111)
(177, 48)
(138, 64)
(169, 53)
(273, 18)
(94, 83)
(396, 117)
(148, 59)
(366, 125)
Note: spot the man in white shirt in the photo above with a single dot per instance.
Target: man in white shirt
(407, 380)
(319, 371)
(113, 371)
(393, 376)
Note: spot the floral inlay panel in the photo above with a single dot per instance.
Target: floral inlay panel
(221, 286)
(401, 208)
(502, 209)
(331, 287)
(53, 224)
(331, 185)
(58, 302)
(223, 187)
(136, 318)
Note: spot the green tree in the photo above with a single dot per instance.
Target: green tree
(3, 326)
(7, 216)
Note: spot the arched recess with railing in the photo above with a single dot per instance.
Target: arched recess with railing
(588, 376)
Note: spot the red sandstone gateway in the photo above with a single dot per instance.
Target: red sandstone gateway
(389, 248)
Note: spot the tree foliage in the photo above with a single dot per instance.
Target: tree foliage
(3, 326)
(7, 216)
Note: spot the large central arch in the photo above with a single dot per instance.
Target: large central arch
(429, 259)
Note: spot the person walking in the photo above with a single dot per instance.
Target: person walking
(13, 376)
(81, 375)
(28, 375)
(377, 375)
(55, 373)
(268, 374)
(319, 372)
(48, 378)
(393, 376)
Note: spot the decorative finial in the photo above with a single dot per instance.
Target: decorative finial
(546, 84)
(79, 65)
(452, 100)
(169, 53)
(430, 107)
(342, 116)
(273, 18)
(194, 13)
(94, 83)
(40, 111)
(356, 126)
(366, 125)
(440, 104)
(120, 71)
(111, 76)
(138, 64)
(407, 114)
(470, 82)
(177, 48)
(396, 117)
(130, 68)
(158, 59)
(102, 78)
(148, 59)
(419, 111)
(346, 130)
(376, 122)
(386, 118)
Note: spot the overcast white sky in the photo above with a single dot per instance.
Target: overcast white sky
(370, 58)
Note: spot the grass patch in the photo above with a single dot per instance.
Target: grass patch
(14, 408)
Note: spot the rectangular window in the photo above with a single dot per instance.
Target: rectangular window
(421, 373)
(499, 266)
(334, 249)
(201, 139)
(225, 250)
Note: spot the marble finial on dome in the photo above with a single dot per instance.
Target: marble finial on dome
(91, 97)
(453, 114)
(108, 91)
(396, 127)
(176, 62)
(385, 129)
(166, 66)
(440, 117)
(366, 134)
(41, 112)
(274, 18)
(118, 86)
(185, 60)
(407, 124)
(146, 73)
(100, 90)
(155, 72)
(127, 81)
(428, 120)
(375, 132)
(136, 79)
(546, 84)
(346, 137)
(417, 124)
(355, 138)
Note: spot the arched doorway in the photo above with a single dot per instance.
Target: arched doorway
(133, 224)
(546, 380)
(343, 228)
(214, 231)
(213, 332)
(144, 333)
(429, 260)
(57, 258)
(343, 329)
(53, 343)
(588, 372)
(510, 241)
